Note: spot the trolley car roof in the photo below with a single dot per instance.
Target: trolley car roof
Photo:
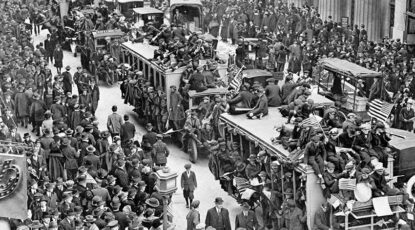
(147, 10)
(253, 73)
(347, 68)
(144, 50)
(208, 92)
(177, 3)
(261, 131)
(107, 33)
(127, 1)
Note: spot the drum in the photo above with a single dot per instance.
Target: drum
(362, 192)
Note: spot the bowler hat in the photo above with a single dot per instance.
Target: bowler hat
(90, 149)
(89, 219)
(218, 200)
(153, 202)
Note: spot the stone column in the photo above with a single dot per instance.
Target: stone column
(369, 13)
(332, 8)
(399, 27)
(386, 13)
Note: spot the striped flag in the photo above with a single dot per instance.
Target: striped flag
(380, 110)
(237, 78)
(347, 184)
(311, 121)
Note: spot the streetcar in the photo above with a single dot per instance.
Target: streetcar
(139, 56)
(254, 136)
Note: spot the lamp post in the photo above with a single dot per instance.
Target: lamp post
(166, 185)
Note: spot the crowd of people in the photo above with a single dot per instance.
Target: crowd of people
(81, 177)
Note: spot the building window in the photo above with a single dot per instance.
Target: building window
(411, 25)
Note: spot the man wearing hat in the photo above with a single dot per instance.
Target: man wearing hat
(246, 219)
(407, 116)
(113, 225)
(37, 111)
(67, 80)
(120, 216)
(160, 151)
(176, 111)
(127, 131)
(188, 183)
(90, 223)
(379, 143)
(261, 108)
(92, 158)
(273, 93)
(150, 137)
(193, 217)
(68, 223)
(218, 216)
(382, 188)
(21, 102)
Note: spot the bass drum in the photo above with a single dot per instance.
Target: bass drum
(363, 192)
(409, 187)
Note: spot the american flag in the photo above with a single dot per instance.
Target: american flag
(380, 110)
(347, 184)
(311, 121)
(237, 78)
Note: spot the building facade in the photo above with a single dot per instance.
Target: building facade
(381, 18)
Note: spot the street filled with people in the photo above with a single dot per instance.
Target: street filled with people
(81, 176)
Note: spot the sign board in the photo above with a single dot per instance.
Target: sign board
(345, 22)
(13, 186)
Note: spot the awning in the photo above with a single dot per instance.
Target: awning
(177, 3)
(107, 33)
(127, 1)
(147, 10)
(347, 68)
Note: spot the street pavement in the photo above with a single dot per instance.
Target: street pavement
(207, 188)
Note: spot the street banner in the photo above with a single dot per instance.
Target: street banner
(13, 186)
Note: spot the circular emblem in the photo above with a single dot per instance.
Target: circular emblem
(10, 178)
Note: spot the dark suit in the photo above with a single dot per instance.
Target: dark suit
(242, 100)
(219, 221)
(189, 184)
(261, 107)
(94, 159)
(273, 93)
(249, 222)
(127, 131)
(67, 225)
(150, 137)
(49, 47)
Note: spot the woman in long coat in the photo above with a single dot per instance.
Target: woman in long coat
(22, 106)
(225, 25)
(58, 56)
